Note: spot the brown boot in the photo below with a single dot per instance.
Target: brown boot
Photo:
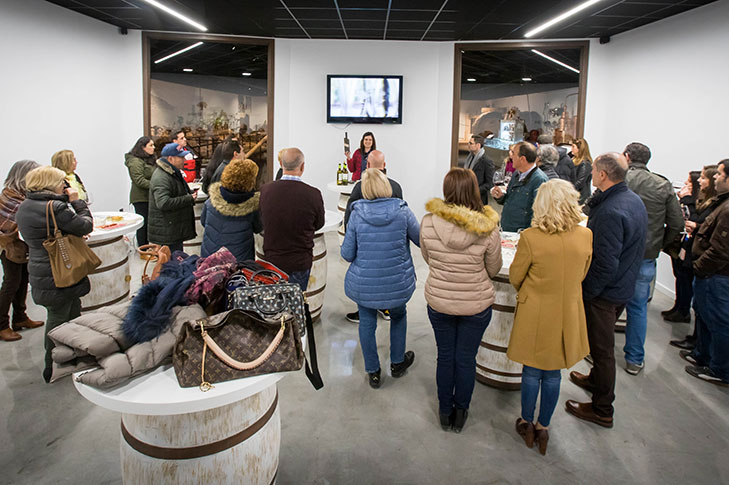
(9, 335)
(541, 437)
(526, 431)
(27, 323)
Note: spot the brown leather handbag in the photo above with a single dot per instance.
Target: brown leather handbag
(70, 257)
(236, 344)
(153, 252)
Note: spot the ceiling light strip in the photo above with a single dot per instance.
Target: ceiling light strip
(336, 4)
(387, 20)
(433, 21)
(561, 17)
(178, 52)
(555, 61)
(178, 15)
(294, 17)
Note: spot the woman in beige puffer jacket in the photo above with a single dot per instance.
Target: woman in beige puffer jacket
(460, 241)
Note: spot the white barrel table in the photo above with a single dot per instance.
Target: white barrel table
(319, 268)
(344, 192)
(230, 434)
(493, 367)
(194, 246)
(110, 281)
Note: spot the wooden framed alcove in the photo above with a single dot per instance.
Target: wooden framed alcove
(146, 74)
(460, 48)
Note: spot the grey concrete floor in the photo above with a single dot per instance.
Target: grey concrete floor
(669, 427)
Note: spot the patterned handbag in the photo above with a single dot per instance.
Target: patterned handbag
(267, 300)
(233, 345)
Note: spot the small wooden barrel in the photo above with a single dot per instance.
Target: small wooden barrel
(193, 246)
(493, 367)
(110, 281)
(236, 443)
(318, 276)
(342, 207)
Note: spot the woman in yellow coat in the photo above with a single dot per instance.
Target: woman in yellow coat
(549, 333)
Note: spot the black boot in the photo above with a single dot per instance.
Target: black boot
(669, 311)
(446, 420)
(375, 380)
(460, 419)
(398, 370)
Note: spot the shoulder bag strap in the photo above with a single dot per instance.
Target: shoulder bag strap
(312, 372)
(48, 227)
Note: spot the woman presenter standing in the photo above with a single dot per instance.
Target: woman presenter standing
(358, 162)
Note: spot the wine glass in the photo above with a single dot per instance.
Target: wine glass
(499, 179)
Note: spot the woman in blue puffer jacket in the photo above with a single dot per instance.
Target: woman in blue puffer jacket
(382, 274)
(231, 215)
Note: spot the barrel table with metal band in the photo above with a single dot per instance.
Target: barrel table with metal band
(110, 281)
(229, 434)
(493, 367)
(318, 276)
(344, 192)
(194, 246)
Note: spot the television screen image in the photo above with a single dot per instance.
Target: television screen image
(364, 99)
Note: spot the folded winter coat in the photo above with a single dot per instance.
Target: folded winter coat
(95, 341)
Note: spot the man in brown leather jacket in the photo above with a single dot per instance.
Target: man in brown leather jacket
(711, 288)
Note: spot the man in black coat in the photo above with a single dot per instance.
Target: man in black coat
(618, 221)
(481, 165)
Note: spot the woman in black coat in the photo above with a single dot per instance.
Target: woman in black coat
(73, 217)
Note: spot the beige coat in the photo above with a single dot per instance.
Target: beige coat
(463, 249)
(549, 324)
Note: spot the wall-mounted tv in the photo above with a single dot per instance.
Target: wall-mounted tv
(364, 99)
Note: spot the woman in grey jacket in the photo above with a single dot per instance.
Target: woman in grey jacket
(46, 184)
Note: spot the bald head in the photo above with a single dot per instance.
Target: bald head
(376, 159)
(292, 161)
(609, 169)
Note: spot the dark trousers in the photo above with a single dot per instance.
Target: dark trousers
(712, 301)
(175, 247)
(58, 314)
(13, 292)
(142, 208)
(601, 316)
(301, 278)
(684, 285)
(457, 339)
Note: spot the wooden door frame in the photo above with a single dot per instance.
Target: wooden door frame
(230, 39)
(460, 48)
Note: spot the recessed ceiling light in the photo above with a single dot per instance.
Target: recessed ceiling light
(561, 17)
(178, 52)
(188, 20)
(555, 60)
(471, 80)
(526, 79)
(187, 69)
(246, 73)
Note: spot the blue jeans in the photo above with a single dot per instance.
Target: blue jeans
(637, 310)
(711, 296)
(530, 384)
(368, 341)
(457, 339)
(301, 278)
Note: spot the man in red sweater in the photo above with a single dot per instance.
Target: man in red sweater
(292, 211)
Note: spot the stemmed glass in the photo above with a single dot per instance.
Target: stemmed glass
(499, 179)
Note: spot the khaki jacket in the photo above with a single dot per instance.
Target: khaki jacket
(549, 330)
(463, 249)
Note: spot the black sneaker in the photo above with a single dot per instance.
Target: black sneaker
(353, 317)
(706, 374)
(459, 420)
(385, 314)
(398, 370)
(375, 380)
(688, 356)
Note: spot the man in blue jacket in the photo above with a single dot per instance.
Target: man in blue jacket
(618, 220)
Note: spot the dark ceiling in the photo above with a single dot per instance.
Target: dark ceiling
(510, 66)
(211, 58)
(434, 20)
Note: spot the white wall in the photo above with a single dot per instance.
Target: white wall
(417, 152)
(69, 81)
(663, 85)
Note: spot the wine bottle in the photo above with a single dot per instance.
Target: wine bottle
(346, 143)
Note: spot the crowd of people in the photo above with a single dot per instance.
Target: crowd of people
(573, 280)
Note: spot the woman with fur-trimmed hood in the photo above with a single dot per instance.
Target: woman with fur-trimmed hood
(231, 215)
(461, 243)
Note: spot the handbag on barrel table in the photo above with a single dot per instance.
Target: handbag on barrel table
(237, 344)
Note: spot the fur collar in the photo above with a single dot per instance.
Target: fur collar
(228, 209)
(479, 223)
(166, 166)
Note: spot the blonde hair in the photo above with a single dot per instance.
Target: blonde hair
(556, 207)
(583, 151)
(44, 178)
(375, 184)
(63, 160)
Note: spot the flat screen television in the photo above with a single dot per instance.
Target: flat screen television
(364, 99)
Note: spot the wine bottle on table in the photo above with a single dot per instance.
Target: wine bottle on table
(346, 143)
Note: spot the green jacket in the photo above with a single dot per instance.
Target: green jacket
(517, 202)
(171, 218)
(665, 220)
(140, 172)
